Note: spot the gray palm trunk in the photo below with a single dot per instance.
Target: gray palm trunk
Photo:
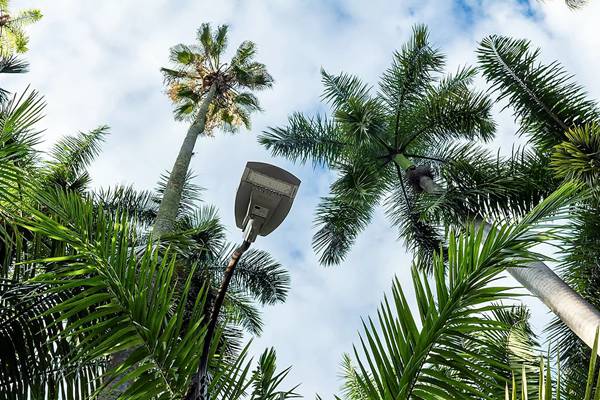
(572, 309)
(167, 213)
(169, 205)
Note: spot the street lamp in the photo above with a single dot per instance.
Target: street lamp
(262, 202)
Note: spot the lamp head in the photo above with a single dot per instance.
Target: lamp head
(263, 199)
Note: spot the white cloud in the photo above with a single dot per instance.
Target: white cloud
(98, 62)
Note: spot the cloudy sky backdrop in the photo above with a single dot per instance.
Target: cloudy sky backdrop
(97, 62)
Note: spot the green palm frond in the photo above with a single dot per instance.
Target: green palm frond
(453, 111)
(578, 157)
(235, 379)
(351, 384)
(546, 101)
(306, 138)
(257, 274)
(128, 299)
(266, 381)
(12, 36)
(400, 355)
(19, 115)
(139, 204)
(341, 217)
(240, 310)
(30, 363)
(413, 69)
(70, 156)
(340, 89)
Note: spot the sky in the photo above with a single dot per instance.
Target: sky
(97, 62)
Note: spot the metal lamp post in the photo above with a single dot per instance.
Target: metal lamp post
(262, 202)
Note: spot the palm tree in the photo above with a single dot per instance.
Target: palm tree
(389, 144)
(212, 94)
(374, 142)
(12, 37)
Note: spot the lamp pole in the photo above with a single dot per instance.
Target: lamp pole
(263, 200)
(200, 386)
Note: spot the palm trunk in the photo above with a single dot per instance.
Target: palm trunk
(167, 212)
(169, 205)
(572, 309)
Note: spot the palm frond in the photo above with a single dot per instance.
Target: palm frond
(399, 357)
(70, 157)
(451, 110)
(546, 101)
(341, 217)
(413, 69)
(266, 381)
(340, 89)
(128, 299)
(257, 274)
(305, 138)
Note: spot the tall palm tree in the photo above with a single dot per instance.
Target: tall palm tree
(374, 141)
(212, 94)
(398, 143)
(12, 36)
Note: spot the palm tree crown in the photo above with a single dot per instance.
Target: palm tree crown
(12, 37)
(199, 67)
(374, 141)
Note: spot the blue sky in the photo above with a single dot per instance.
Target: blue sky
(98, 63)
